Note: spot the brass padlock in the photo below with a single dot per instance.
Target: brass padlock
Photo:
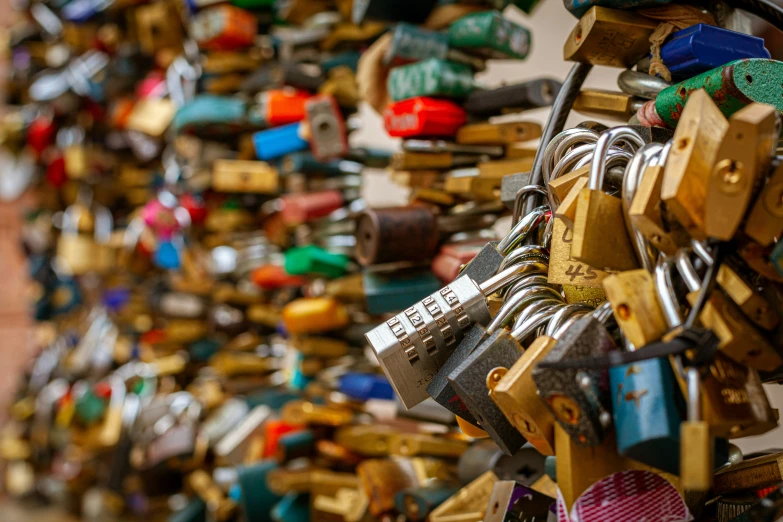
(157, 27)
(256, 177)
(686, 178)
(600, 236)
(742, 160)
(79, 253)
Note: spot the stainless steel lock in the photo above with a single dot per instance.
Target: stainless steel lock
(412, 346)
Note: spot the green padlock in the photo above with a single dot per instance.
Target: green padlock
(490, 35)
(90, 408)
(731, 86)
(315, 260)
(431, 77)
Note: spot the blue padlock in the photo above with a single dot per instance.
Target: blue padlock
(648, 407)
(275, 143)
(365, 386)
(167, 256)
(385, 293)
(701, 48)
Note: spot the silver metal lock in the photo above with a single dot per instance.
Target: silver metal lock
(412, 346)
(328, 138)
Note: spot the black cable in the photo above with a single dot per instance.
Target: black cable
(764, 9)
(710, 279)
(704, 341)
(561, 108)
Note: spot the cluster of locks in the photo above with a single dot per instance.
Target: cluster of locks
(216, 301)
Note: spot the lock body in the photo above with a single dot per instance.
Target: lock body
(412, 346)
(646, 404)
(422, 116)
(431, 77)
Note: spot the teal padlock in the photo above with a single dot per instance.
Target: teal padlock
(647, 407)
(257, 498)
(490, 35)
(194, 511)
(210, 114)
(388, 293)
(314, 260)
(433, 77)
(294, 507)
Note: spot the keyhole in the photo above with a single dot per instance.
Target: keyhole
(526, 471)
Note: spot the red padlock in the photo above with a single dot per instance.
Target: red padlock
(273, 430)
(40, 134)
(274, 277)
(423, 116)
(305, 207)
(283, 106)
(447, 264)
(195, 206)
(55, 171)
(224, 28)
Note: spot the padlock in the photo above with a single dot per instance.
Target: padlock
(697, 459)
(304, 208)
(515, 392)
(411, 346)
(469, 503)
(490, 35)
(735, 77)
(701, 47)
(157, 27)
(635, 305)
(312, 259)
(752, 474)
(607, 104)
(742, 159)
(646, 405)
(219, 506)
(432, 77)
(731, 395)
(418, 503)
(151, 117)
(396, 234)
(224, 28)
(470, 379)
(78, 253)
(649, 215)
(610, 37)
(386, 293)
(255, 177)
(326, 126)
(283, 106)
(411, 44)
(579, 398)
(532, 94)
(421, 116)
(765, 219)
(511, 499)
(314, 315)
(275, 143)
(597, 212)
(505, 133)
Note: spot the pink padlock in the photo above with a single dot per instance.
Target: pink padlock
(164, 216)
